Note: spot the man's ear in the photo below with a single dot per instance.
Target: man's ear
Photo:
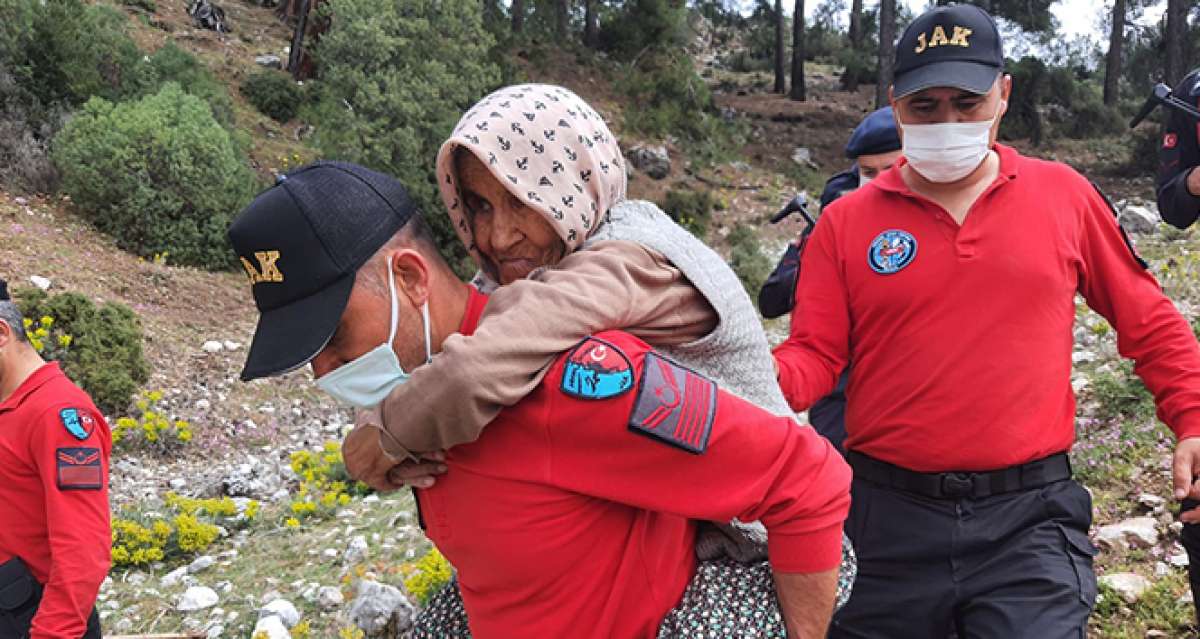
(1006, 90)
(412, 275)
(7, 336)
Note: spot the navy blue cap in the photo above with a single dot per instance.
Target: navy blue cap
(302, 242)
(875, 134)
(951, 46)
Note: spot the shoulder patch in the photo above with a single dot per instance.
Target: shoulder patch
(79, 424)
(674, 404)
(79, 468)
(1170, 140)
(596, 369)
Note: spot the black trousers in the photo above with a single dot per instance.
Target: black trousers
(1010, 566)
(1190, 538)
(828, 415)
(15, 624)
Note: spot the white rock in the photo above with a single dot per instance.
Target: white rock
(21, 201)
(212, 346)
(215, 631)
(802, 155)
(1179, 560)
(1138, 532)
(177, 483)
(329, 598)
(283, 609)
(1128, 585)
(272, 627)
(356, 552)
(1139, 219)
(40, 282)
(654, 161)
(1161, 569)
(173, 578)
(270, 61)
(231, 346)
(1176, 527)
(1153, 502)
(329, 553)
(1185, 598)
(197, 598)
(370, 499)
(376, 604)
(203, 404)
(201, 563)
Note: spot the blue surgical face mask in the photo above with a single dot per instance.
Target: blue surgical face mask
(367, 380)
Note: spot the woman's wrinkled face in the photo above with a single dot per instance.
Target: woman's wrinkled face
(514, 237)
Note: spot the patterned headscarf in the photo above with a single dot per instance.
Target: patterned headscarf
(549, 149)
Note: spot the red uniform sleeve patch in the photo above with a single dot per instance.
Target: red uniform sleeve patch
(674, 405)
(1170, 140)
(79, 468)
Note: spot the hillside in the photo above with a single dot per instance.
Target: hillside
(246, 436)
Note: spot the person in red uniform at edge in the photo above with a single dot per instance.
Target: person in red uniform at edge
(54, 453)
(572, 515)
(949, 282)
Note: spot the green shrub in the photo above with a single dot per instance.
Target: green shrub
(157, 174)
(747, 259)
(67, 51)
(172, 64)
(274, 94)
(388, 97)
(673, 100)
(642, 25)
(690, 209)
(104, 352)
(1143, 145)
(152, 430)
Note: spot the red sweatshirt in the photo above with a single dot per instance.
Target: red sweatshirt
(571, 516)
(54, 452)
(960, 338)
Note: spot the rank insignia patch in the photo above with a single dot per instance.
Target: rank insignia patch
(674, 405)
(79, 469)
(80, 426)
(596, 370)
(891, 251)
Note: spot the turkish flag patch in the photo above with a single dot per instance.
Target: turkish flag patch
(79, 469)
(1170, 140)
(596, 369)
(674, 404)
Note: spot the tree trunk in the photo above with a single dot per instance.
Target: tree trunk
(798, 53)
(780, 81)
(590, 27)
(297, 51)
(856, 24)
(562, 12)
(518, 16)
(1173, 67)
(887, 50)
(1116, 41)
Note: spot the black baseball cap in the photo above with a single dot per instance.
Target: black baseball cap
(952, 46)
(301, 243)
(4, 296)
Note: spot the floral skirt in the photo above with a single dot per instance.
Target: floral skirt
(724, 599)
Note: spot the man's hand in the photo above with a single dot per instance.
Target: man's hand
(1193, 181)
(806, 601)
(367, 462)
(1186, 468)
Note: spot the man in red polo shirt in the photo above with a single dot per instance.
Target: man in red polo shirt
(55, 536)
(574, 515)
(950, 282)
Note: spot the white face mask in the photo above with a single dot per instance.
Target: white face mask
(947, 151)
(863, 180)
(367, 380)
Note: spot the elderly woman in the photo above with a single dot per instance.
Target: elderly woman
(535, 184)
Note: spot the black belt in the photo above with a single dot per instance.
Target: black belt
(957, 485)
